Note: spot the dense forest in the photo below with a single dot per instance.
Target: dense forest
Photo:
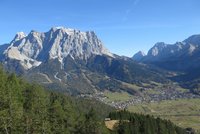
(30, 109)
(132, 123)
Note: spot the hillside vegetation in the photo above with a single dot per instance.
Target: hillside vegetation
(131, 123)
(30, 109)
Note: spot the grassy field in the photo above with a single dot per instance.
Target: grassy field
(131, 86)
(111, 124)
(183, 112)
(117, 96)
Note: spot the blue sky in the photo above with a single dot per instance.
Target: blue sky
(124, 26)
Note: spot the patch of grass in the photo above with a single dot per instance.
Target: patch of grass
(183, 112)
(182, 89)
(152, 91)
(131, 86)
(156, 83)
(117, 96)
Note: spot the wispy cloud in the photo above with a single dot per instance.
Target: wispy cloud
(132, 5)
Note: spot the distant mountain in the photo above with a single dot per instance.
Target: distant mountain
(73, 61)
(194, 39)
(181, 57)
(139, 55)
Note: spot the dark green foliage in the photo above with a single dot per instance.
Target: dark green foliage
(11, 101)
(132, 123)
(90, 125)
(28, 108)
(101, 109)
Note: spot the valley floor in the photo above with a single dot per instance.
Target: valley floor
(183, 112)
(182, 109)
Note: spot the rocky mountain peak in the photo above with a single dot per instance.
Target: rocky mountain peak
(57, 43)
(139, 55)
(194, 39)
(163, 52)
(160, 44)
(156, 49)
(18, 36)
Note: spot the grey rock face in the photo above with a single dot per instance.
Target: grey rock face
(32, 49)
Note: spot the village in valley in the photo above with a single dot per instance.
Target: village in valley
(134, 99)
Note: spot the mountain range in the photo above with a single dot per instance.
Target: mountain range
(77, 62)
(58, 43)
(73, 61)
(183, 58)
(181, 55)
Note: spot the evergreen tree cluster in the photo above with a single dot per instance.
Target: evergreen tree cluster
(30, 109)
(132, 123)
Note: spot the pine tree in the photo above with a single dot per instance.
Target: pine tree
(3, 103)
(14, 104)
(58, 118)
(35, 108)
(90, 125)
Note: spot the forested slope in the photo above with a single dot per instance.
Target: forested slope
(30, 109)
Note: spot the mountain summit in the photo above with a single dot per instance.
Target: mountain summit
(58, 43)
(139, 55)
(73, 61)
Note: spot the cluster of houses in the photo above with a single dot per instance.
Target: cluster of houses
(163, 95)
